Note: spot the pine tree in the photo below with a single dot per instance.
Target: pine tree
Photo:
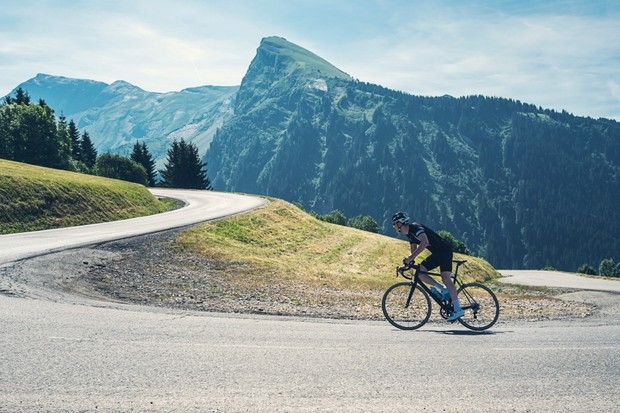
(21, 97)
(184, 169)
(63, 144)
(74, 135)
(142, 156)
(88, 153)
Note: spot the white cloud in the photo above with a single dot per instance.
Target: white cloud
(560, 54)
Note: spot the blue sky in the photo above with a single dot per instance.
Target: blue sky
(555, 54)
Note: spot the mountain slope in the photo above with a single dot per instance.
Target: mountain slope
(503, 176)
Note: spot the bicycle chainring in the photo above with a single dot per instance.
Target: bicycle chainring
(446, 312)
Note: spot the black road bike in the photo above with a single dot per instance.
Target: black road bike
(407, 305)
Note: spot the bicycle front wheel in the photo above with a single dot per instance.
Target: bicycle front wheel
(480, 305)
(406, 307)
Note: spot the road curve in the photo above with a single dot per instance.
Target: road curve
(559, 279)
(199, 206)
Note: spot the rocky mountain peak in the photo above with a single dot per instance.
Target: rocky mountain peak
(280, 65)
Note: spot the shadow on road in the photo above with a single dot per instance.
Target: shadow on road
(469, 332)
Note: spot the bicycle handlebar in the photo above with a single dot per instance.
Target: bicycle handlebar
(411, 265)
(405, 267)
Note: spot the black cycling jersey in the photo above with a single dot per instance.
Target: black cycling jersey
(436, 243)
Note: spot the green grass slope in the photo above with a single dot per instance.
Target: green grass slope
(34, 198)
(280, 241)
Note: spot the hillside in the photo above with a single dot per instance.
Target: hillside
(34, 198)
(280, 260)
(517, 183)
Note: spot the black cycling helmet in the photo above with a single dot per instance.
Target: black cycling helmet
(400, 217)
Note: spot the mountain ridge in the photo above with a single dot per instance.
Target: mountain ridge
(460, 164)
(117, 115)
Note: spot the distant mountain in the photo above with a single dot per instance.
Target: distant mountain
(522, 186)
(117, 115)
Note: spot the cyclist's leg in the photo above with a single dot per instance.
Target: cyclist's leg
(445, 266)
(446, 277)
(426, 279)
(444, 261)
(430, 263)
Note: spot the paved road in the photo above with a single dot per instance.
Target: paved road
(558, 279)
(63, 354)
(200, 206)
(60, 357)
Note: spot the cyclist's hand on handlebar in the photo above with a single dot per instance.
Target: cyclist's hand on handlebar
(408, 263)
(406, 266)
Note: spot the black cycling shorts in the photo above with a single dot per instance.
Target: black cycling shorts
(441, 259)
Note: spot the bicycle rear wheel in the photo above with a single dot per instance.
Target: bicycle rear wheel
(480, 305)
(406, 308)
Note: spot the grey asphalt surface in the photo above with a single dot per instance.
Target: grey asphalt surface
(68, 357)
(68, 353)
(558, 279)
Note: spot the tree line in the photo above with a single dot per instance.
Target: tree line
(31, 134)
(607, 268)
(369, 224)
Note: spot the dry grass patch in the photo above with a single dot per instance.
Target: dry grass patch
(282, 242)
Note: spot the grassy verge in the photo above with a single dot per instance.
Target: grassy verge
(35, 198)
(281, 241)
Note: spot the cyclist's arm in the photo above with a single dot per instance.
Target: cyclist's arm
(416, 249)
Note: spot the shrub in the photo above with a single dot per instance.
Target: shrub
(457, 246)
(365, 223)
(586, 269)
(119, 167)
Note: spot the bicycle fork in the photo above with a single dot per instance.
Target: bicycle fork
(413, 286)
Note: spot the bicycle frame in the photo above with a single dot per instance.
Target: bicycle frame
(415, 280)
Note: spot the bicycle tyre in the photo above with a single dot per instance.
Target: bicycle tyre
(480, 305)
(396, 311)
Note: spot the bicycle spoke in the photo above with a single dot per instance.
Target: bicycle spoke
(404, 308)
(480, 305)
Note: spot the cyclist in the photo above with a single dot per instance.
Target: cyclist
(420, 238)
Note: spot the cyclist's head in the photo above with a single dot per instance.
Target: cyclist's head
(399, 219)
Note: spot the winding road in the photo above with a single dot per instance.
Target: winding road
(200, 206)
(64, 354)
